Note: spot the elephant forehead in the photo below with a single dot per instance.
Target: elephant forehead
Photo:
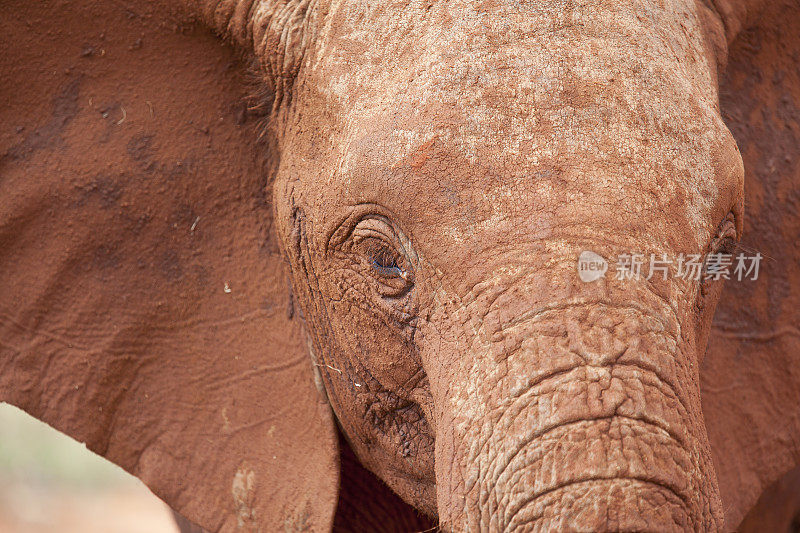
(498, 114)
(440, 193)
(504, 59)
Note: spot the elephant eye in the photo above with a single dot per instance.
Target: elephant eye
(720, 254)
(381, 251)
(386, 265)
(385, 262)
(726, 238)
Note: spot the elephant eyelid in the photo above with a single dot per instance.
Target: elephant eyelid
(725, 242)
(380, 248)
(370, 239)
(384, 259)
(388, 271)
(726, 236)
(370, 219)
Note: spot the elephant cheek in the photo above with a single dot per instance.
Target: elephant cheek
(588, 421)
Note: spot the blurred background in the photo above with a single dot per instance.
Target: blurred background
(50, 483)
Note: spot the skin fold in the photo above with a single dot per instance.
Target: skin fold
(778, 508)
(323, 275)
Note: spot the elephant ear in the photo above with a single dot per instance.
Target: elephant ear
(751, 371)
(144, 308)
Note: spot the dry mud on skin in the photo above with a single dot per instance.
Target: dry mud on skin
(135, 216)
(153, 308)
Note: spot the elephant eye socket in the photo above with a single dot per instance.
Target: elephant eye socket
(726, 238)
(380, 249)
(718, 261)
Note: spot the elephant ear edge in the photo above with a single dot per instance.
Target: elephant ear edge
(750, 376)
(145, 309)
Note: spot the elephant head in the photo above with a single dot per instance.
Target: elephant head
(202, 297)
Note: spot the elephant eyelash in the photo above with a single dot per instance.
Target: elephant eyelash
(385, 261)
(726, 240)
(387, 269)
(382, 252)
(728, 245)
(382, 257)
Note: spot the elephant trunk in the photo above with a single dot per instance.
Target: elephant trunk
(575, 416)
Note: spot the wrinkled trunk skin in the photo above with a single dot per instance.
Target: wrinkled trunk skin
(576, 415)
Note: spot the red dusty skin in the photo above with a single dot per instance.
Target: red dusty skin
(579, 414)
(412, 156)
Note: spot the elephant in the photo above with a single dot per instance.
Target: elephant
(313, 265)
